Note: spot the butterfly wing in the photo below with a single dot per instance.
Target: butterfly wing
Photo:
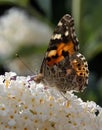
(63, 42)
(63, 66)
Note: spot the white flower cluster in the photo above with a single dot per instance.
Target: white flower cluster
(17, 28)
(25, 105)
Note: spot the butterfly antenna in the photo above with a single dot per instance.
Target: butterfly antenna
(18, 56)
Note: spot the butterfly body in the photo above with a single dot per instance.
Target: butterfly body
(63, 66)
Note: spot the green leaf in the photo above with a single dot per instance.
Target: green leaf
(23, 3)
(93, 45)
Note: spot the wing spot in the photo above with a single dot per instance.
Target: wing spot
(78, 64)
(79, 79)
(56, 36)
(81, 74)
(65, 53)
(52, 53)
(83, 68)
(48, 59)
(60, 23)
(79, 68)
(78, 55)
(55, 57)
(66, 33)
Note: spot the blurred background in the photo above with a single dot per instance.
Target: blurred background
(27, 25)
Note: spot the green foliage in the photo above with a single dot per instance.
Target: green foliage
(22, 3)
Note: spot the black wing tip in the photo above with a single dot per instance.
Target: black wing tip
(67, 17)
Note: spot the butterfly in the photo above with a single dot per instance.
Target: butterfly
(63, 66)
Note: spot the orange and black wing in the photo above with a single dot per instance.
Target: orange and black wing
(63, 41)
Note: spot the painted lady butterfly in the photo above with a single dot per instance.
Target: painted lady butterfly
(63, 66)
